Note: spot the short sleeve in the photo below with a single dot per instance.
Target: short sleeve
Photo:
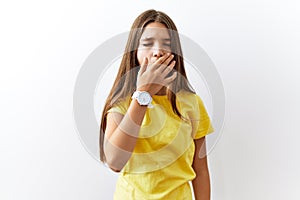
(202, 122)
(120, 107)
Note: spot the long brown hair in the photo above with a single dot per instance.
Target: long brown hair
(127, 74)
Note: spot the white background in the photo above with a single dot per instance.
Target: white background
(254, 45)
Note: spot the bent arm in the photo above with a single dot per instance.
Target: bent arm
(121, 135)
(201, 184)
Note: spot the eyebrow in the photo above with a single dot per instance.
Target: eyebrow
(151, 38)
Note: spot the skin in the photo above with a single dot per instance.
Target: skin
(201, 184)
(154, 56)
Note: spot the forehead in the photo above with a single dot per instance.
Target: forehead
(155, 30)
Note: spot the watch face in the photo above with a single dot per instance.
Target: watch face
(144, 98)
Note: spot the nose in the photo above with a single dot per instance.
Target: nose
(158, 52)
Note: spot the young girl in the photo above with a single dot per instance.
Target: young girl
(153, 124)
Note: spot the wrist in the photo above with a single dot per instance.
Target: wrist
(144, 89)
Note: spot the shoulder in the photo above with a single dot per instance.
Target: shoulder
(121, 105)
(192, 104)
(187, 97)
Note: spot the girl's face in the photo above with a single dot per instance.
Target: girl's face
(154, 43)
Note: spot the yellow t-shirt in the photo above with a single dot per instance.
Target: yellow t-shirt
(161, 164)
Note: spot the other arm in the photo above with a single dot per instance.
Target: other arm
(201, 184)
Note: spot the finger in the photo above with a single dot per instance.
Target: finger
(164, 64)
(168, 60)
(171, 78)
(143, 66)
(168, 69)
(161, 60)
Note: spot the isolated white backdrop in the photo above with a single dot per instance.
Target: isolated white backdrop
(254, 45)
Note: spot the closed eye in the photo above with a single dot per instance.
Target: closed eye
(147, 45)
(150, 44)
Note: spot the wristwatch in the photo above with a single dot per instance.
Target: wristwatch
(143, 98)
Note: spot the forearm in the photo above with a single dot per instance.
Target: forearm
(201, 186)
(120, 145)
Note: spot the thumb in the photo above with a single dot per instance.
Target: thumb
(144, 65)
